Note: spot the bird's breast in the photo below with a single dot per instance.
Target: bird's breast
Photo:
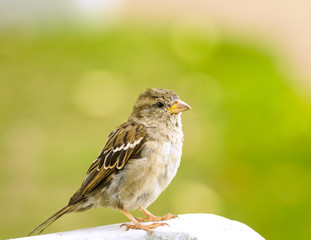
(145, 178)
(162, 160)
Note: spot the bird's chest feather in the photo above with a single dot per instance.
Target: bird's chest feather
(157, 166)
(147, 177)
(161, 161)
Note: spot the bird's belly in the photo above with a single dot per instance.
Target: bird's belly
(144, 179)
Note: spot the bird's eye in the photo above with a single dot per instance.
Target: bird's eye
(160, 104)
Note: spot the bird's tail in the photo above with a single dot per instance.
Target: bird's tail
(51, 219)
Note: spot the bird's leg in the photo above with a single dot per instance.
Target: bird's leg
(138, 225)
(152, 218)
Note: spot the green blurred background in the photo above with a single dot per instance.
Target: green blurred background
(65, 86)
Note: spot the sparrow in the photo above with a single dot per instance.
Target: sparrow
(138, 161)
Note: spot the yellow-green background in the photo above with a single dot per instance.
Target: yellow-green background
(247, 145)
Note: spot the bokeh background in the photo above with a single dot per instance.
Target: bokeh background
(70, 72)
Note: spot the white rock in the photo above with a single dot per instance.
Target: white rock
(186, 227)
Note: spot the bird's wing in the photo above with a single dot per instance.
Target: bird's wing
(124, 142)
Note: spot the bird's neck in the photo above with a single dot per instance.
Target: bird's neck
(163, 129)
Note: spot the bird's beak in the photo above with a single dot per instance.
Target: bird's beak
(178, 106)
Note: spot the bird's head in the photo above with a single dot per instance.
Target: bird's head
(158, 105)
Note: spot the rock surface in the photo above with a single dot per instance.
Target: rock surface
(185, 227)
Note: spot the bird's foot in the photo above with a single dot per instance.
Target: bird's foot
(147, 228)
(152, 218)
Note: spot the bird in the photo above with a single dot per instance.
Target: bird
(138, 162)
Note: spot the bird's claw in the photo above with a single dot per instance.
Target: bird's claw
(147, 228)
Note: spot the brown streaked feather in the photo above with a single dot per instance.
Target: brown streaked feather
(123, 143)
